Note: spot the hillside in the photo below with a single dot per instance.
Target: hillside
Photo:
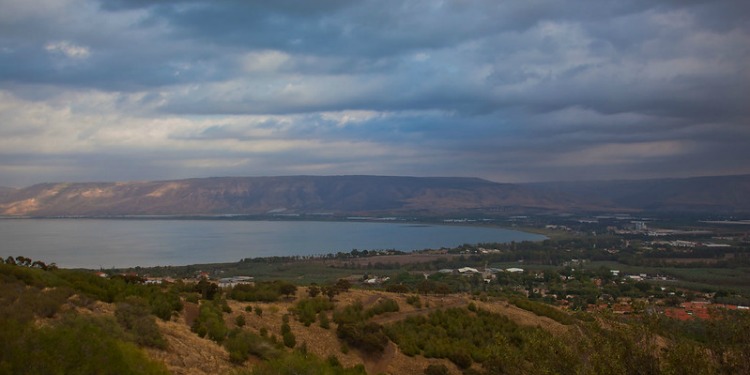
(373, 195)
(77, 322)
(263, 195)
(722, 194)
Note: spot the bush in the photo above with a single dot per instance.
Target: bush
(397, 288)
(287, 337)
(354, 329)
(240, 344)
(74, 345)
(382, 307)
(455, 334)
(133, 316)
(306, 310)
(210, 322)
(240, 321)
(414, 301)
(543, 310)
(323, 319)
(434, 369)
(299, 363)
(369, 337)
(461, 358)
(163, 305)
(268, 291)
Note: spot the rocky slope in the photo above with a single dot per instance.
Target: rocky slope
(368, 195)
(264, 195)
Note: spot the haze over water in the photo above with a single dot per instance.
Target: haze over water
(92, 243)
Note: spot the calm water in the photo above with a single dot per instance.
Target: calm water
(93, 243)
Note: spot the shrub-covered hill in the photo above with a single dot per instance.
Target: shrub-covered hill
(65, 321)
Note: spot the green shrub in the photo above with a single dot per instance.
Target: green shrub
(397, 288)
(414, 301)
(439, 369)
(455, 334)
(240, 321)
(369, 337)
(382, 307)
(299, 363)
(268, 291)
(210, 322)
(74, 345)
(133, 316)
(306, 310)
(241, 344)
(323, 319)
(542, 309)
(287, 337)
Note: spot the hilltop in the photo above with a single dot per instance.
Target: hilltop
(75, 321)
(369, 195)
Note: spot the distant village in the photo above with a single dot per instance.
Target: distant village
(561, 272)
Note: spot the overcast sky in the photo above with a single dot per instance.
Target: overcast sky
(510, 91)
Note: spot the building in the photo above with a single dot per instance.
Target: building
(229, 282)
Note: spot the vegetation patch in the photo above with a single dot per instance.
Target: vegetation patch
(542, 309)
(268, 291)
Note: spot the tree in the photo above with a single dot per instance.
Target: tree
(330, 292)
(313, 291)
(342, 285)
(207, 289)
(288, 289)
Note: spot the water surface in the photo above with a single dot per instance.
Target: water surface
(100, 243)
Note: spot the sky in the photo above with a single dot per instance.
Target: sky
(509, 91)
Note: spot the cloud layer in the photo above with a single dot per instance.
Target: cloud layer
(508, 91)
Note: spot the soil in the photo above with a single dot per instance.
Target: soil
(188, 354)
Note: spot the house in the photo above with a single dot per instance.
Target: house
(229, 282)
(468, 270)
(514, 270)
(376, 280)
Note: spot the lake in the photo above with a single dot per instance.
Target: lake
(107, 243)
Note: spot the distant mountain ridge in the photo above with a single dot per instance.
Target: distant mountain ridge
(352, 195)
(725, 194)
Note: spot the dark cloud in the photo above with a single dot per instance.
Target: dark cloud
(533, 90)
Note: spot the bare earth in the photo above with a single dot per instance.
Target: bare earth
(189, 354)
